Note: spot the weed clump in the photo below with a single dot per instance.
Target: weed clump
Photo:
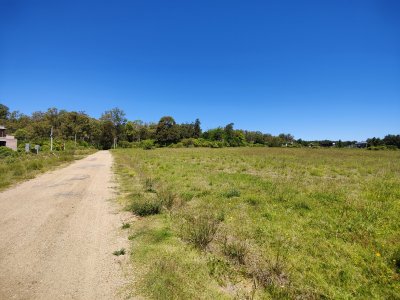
(235, 249)
(125, 225)
(149, 185)
(35, 165)
(166, 197)
(146, 207)
(119, 252)
(232, 193)
(199, 230)
(19, 170)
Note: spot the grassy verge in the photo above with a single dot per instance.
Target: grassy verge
(22, 166)
(263, 223)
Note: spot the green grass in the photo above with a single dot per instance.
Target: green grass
(21, 166)
(264, 223)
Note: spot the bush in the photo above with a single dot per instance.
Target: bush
(147, 144)
(5, 151)
(235, 249)
(125, 144)
(166, 197)
(146, 207)
(199, 230)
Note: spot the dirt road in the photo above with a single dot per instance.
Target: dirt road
(58, 232)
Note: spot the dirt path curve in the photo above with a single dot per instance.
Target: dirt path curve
(58, 232)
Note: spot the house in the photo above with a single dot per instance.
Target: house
(361, 145)
(7, 140)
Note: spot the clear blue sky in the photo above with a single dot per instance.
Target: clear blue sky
(315, 69)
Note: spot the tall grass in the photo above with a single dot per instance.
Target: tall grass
(265, 223)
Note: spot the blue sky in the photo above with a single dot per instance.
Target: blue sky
(315, 69)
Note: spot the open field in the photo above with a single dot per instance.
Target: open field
(263, 223)
(20, 166)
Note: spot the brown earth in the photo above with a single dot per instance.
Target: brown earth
(58, 232)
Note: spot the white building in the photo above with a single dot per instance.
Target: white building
(7, 140)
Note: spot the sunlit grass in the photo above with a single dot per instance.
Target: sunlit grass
(306, 223)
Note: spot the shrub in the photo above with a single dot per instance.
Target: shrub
(199, 230)
(124, 144)
(235, 249)
(5, 151)
(147, 144)
(166, 197)
(145, 207)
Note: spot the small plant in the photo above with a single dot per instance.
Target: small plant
(149, 185)
(396, 260)
(232, 193)
(199, 230)
(119, 252)
(253, 201)
(145, 207)
(166, 197)
(125, 225)
(235, 249)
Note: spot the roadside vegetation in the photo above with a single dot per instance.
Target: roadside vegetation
(19, 166)
(263, 223)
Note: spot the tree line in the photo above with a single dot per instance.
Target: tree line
(113, 128)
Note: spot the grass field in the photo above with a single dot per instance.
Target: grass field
(263, 223)
(21, 166)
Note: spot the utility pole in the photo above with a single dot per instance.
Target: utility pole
(51, 139)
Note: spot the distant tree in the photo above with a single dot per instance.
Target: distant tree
(339, 144)
(167, 131)
(392, 140)
(373, 142)
(326, 143)
(4, 112)
(216, 134)
(107, 134)
(197, 129)
(21, 134)
(186, 130)
(117, 117)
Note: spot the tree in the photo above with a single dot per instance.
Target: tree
(117, 118)
(107, 134)
(392, 140)
(167, 131)
(197, 129)
(21, 134)
(4, 112)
